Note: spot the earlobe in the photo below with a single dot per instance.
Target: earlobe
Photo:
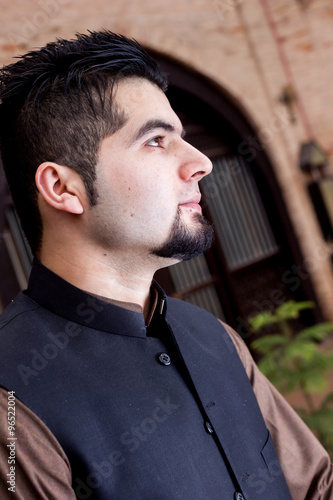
(61, 187)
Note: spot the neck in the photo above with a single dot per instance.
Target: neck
(110, 276)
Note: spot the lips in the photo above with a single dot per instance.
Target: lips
(192, 203)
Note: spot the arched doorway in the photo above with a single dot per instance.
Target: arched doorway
(247, 269)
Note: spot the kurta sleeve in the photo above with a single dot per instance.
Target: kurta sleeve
(42, 470)
(306, 465)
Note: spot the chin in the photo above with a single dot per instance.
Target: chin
(186, 242)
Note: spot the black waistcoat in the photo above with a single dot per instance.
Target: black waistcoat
(136, 424)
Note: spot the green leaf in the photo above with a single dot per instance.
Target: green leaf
(300, 349)
(317, 332)
(291, 309)
(269, 343)
(262, 319)
(315, 384)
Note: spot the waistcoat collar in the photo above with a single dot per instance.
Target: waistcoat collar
(74, 304)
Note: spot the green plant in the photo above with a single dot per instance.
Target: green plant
(295, 361)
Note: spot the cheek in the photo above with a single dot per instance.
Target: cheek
(145, 190)
(151, 206)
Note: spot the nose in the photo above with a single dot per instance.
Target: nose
(195, 165)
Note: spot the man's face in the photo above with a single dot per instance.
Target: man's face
(147, 182)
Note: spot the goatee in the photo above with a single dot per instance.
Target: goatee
(185, 243)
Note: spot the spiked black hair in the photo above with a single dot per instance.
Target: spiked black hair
(56, 105)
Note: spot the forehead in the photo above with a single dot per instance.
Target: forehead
(141, 101)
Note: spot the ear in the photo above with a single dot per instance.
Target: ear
(61, 187)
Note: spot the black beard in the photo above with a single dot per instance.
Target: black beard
(185, 243)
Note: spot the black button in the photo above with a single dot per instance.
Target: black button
(239, 496)
(209, 428)
(164, 359)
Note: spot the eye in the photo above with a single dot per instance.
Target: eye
(156, 141)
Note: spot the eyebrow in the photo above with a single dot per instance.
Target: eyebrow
(151, 125)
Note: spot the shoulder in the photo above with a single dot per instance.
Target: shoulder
(19, 327)
(194, 319)
(212, 331)
(203, 328)
(241, 348)
(17, 309)
(183, 309)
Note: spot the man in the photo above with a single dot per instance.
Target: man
(120, 392)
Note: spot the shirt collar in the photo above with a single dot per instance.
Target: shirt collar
(154, 299)
(64, 299)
